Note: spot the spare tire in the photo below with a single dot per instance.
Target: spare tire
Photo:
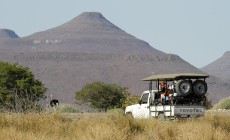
(183, 87)
(200, 87)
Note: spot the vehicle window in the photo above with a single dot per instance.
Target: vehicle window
(144, 99)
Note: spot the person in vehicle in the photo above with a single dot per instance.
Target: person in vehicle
(163, 91)
(162, 87)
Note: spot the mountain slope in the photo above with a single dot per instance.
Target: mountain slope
(89, 48)
(88, 32)
(220, 68)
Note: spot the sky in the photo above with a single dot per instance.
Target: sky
(196, 30)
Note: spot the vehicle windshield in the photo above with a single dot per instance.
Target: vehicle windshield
(144, 98)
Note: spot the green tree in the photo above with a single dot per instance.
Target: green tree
(101, 95)
(19, 90)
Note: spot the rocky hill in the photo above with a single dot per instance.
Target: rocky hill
(7, 34)
(90, 48)
(220, 67)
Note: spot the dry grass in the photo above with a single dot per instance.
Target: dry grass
(111, 126)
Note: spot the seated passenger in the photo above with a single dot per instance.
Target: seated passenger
(162, 87)
(164, 97)
(163, 91)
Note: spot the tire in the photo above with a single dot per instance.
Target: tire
(183, 88)
(200, 87)
(161, 117)
(130, 115)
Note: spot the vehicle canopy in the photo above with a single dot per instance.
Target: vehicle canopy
(171, 77)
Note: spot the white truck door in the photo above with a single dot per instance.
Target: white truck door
(143, 108)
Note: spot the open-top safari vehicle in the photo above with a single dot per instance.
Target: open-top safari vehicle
(176, 96)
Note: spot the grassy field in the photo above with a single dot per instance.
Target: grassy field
(111, 126)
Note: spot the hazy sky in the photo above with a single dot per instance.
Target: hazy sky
(196, 30)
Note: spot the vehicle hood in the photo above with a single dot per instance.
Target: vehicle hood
(131, 107)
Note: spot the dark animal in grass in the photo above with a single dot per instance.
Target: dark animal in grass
(54, 103)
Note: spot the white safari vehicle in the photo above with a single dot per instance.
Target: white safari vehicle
(176, 96)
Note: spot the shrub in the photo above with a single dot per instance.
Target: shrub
(102, 95)
(223, 104)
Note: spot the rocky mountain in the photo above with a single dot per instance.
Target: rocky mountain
(90, 48)
(220, 67)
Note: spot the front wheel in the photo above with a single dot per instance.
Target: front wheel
(129, 115)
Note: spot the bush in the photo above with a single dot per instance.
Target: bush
(102, 96)
(223, 104)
